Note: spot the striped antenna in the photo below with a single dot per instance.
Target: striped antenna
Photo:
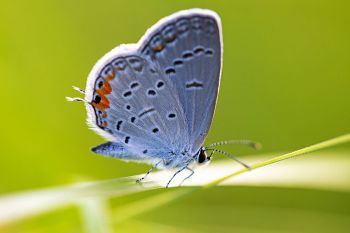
(255, 145)
(229, 156)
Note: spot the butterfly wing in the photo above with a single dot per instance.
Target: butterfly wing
(130, 102)
(157, 97)
(188, 48)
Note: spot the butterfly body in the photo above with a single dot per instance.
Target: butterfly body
(166, 159)
(154, 101)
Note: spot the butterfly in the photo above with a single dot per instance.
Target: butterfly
(154, 101)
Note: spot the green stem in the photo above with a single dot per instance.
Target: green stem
(332, 142)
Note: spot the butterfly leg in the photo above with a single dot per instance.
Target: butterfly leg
(192, 172)
(149, 171)
(177, 172)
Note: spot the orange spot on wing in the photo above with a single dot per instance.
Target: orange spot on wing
(105, 101)
(104, 115)
(110, 77)
(99, 106)
(105, 124)
(107, 87)
(101, 92)
(103, 104)
(158, 48)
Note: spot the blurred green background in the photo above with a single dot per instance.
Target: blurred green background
(285, 83)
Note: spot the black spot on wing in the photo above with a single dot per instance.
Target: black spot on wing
(100, 84)
(171, 115)
(198, 50)
(151, 92)
(170, 70)
(97, 99)
(209, 52)
(119, 124)
(178, 62)
(127, 94)
(160, 84)
(134, 85)
(187, 55)
(194, 84)
(146, 112)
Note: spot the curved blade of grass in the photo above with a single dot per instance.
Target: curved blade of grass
(21, 205)
(147, 204)
(25, 204)
(95, 215)
(322, 145)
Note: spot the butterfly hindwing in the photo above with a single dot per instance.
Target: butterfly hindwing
(130, 101)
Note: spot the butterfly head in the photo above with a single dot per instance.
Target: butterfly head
(202, 156)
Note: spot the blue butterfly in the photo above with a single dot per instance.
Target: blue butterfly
(154, 101)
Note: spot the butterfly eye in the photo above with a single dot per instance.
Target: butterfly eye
(202, 157)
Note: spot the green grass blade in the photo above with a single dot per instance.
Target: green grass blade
(150, 203)
(95, 215)
(36, 202)
(322, 145)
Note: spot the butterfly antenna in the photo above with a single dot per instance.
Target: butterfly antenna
(229, 156)
(78, 89)
(254, 145)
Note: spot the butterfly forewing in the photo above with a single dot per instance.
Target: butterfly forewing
(187, 48)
